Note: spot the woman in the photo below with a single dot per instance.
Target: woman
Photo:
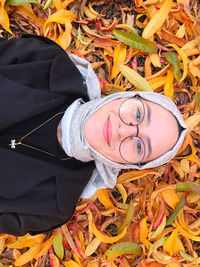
(56, 145)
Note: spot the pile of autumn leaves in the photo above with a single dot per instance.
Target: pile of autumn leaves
(151, 217)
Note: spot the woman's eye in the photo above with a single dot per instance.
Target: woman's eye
(139, 146)
(138, 115)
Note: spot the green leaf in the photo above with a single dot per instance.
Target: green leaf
(197, 98)
(129, 215)
(194, 187)
(182, 187)
(172, 59)
(21, 2)
(121, 249)
(186, 256)
(58, 245)
(160, 228)
(135, 41)
(161, 241)
(136, 79)
(47, 4)
(112, 89)
(176, 211)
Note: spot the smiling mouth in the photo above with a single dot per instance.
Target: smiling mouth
(106, 131)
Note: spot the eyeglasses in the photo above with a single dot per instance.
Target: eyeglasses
(132, 148)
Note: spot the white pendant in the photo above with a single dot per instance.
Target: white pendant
(12, 143)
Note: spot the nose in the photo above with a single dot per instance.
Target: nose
(127, 130)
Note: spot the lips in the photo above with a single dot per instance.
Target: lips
(107, 131)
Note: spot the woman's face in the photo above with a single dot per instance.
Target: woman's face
(117, 140)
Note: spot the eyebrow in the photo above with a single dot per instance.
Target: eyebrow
(148, 114)
(148, 122)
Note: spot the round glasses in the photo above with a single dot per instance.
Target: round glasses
(132, 148)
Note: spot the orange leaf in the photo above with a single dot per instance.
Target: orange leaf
(64, 39)
(45, 247)
(30, 15)
(61, 16)
(4, 19)
(168, 87)
(170, 197)
(171, 38)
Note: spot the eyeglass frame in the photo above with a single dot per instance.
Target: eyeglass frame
(137, 97)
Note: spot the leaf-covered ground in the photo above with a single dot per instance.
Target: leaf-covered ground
(151, 218)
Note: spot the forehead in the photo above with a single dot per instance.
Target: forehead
(162, 130)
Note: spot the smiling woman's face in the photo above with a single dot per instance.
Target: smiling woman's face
(105, 131)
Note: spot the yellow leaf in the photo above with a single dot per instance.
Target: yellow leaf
(186, 234)
(88, 13)
(76, 258)
(28, 256)
(103, 197)
(155, 60)
(107, 239)
(134, 175)
(170, 242)
(173, 264)
(55, 260)
(150, 2)
(58, 4)
(71, 263)
(118, 58)
(193, 121)
(122, 191)
(90, 218)
(93, 11)
(157, 82)
(168, 87)
(183, 224)
(92, 264)
(133, 77)
(144, 233)
(170, 197)
(178, 246)
(27, 241)
(157, 20)
(158, 73)
(181, 31)
(177, 167)
(185, 165)
(91, 248)
(2, 245)
(184, 59)
(194, 159)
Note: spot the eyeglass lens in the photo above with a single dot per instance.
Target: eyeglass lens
(132, 148)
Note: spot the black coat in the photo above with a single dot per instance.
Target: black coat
(37, 192)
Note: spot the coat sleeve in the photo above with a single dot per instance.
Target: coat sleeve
(36, 75)
(20, 224)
